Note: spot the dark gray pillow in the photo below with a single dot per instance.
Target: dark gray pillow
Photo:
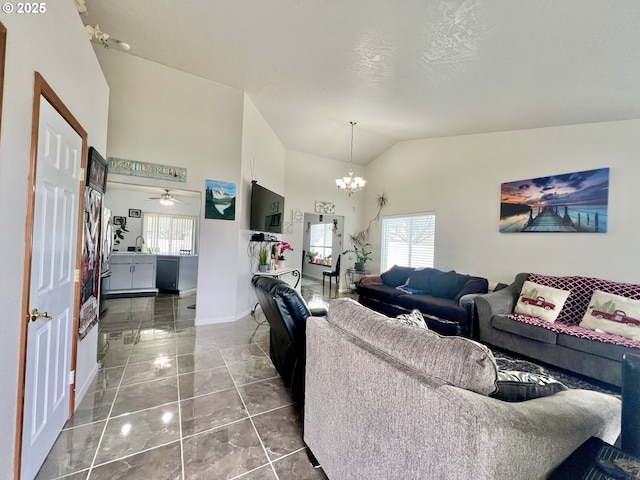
(516, 386)
(473, 285)
(396, 275)
(445, 285)
(420, 279)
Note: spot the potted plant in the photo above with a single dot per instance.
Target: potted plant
(283, 247)
(312, 256)
(263, 258)
(362, 255)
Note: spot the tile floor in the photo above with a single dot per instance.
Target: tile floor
(176, 401)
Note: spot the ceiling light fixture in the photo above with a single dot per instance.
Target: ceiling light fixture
(351, 184)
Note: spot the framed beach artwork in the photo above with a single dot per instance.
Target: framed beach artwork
(572, 203)
(220, 200)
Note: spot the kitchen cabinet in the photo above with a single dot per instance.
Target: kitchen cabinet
(177, 273)
(131, 273)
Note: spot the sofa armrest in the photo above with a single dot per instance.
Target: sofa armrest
(501, 302)
(468, 302)
(370, 280)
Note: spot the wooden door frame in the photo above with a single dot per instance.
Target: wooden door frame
(41, 87)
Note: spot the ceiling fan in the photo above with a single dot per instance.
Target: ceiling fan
(167, 198)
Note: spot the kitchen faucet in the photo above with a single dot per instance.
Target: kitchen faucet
(136, 244)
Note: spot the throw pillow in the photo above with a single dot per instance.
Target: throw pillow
(541, 301)
(396, 275)
(420, 279)
(516, 386)
(445, 285)
(473, 285)
(613, 314)
(370, 280)
(414, 318)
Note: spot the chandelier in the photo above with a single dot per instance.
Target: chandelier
(351, 184)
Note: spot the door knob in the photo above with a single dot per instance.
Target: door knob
(35, 314)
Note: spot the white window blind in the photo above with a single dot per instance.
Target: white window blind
(408, 241)
(169, 234)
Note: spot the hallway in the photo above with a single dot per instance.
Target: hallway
(176, 401)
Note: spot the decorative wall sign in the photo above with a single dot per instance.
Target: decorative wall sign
(297, 216)
(135, 168)
(220, 200)
(135, 213)
(573, 202)
(325, 207)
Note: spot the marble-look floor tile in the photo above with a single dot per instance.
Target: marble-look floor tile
(265, 395)
(130, 434)
(202, 360)
(107, 378)
(280, 431)
(252, 370)
(157, 369)
(93, 407)
(114, 358)
(204, 381)
(210, 411)
(262, 473)
(298, 466)
(72, 452)
(161, 463)
(132, 398)
(241, 353)
(223, 453)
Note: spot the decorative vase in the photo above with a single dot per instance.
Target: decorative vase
(262, 268)
(281, 264)
(359, 266)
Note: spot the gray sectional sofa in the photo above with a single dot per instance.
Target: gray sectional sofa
(564, 343)
(386, 400)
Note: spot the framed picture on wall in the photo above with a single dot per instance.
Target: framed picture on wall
(135, 213)
(119, 220)
(96, 171)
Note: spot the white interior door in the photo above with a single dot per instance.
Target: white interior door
(52, 289)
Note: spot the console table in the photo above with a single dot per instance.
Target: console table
(278, 272)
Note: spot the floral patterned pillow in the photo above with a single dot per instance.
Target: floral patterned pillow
(414, 318)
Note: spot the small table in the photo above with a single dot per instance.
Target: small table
(351, 272)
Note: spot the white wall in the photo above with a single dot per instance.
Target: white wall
(162, 115)
(263, 160)
(309, 179)
(459, 178)
(54, 44)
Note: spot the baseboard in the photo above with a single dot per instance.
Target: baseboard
(82, 391)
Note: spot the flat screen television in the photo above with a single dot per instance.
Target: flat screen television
(267, 210)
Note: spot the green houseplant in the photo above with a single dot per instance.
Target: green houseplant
(263, 258)
(363, 255)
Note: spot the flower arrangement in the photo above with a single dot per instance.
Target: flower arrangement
(282, 247)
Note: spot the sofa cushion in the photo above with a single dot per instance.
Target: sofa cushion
(541, 301)
(396, 275)
(473, 285)
(447, 284)
(515, 324)
(613, 314)
(420, 279)
(514, 386)
(382, 293)
(438, 307)
(414, 318)
(454, 361)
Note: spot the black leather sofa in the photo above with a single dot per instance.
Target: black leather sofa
(445, 297)
(287, 313)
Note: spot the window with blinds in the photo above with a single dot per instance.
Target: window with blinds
(408, 241)
(169, 234)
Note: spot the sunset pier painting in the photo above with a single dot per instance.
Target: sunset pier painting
(572, 202)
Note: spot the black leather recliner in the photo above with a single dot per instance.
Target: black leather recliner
(287, 313)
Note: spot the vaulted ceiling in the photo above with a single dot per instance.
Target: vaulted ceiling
(401, 69)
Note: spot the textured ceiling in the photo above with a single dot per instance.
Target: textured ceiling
(401, 69)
